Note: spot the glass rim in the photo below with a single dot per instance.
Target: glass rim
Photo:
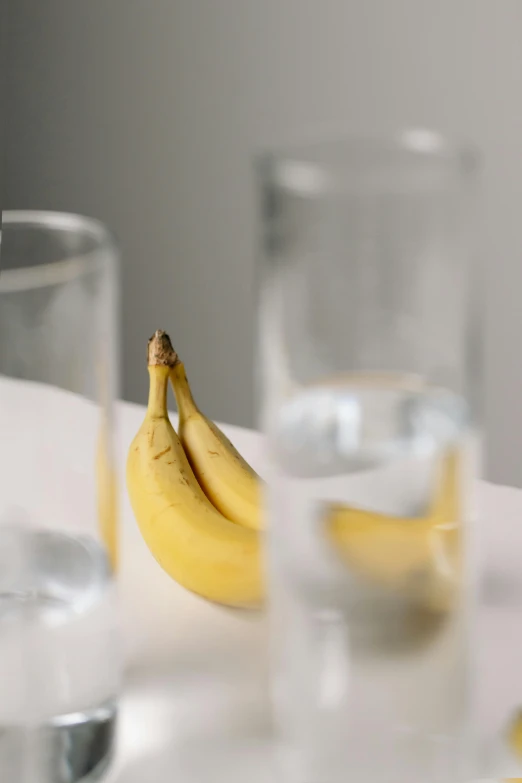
(426, 142)
(422, 144)
(74, 266)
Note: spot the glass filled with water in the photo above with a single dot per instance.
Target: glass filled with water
(370, 357)
(59, 640)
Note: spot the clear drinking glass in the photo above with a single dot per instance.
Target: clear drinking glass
(370, 356)
(59, 641)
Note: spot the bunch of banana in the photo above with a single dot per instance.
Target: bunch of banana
(191, 540)
(198, 505)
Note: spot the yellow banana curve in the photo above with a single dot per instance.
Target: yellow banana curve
(418, 554)
(229, 482)
(195, 544)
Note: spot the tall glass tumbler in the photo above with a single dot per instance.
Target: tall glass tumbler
(370, 364)
(59, 639)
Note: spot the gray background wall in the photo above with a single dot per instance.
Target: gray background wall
(145, 114)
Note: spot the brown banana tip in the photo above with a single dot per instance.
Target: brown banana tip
(160, 351)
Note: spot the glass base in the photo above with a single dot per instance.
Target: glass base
(73, 748)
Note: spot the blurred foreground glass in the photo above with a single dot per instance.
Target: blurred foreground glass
(59, 642)
(370, 361)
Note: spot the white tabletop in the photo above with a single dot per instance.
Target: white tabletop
(195, 704)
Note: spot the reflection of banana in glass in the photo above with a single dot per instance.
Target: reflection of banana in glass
(420, 555)
(107, 488)
(515, 737)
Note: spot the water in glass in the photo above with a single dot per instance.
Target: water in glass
(59, 656)
(368, 500)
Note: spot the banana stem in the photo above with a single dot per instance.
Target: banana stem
(161, 358)
(160, 351)
(182, 392)
(159, 383)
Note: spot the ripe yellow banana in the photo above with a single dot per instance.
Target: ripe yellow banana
(195, 544)
(391, 550)
(227, 479)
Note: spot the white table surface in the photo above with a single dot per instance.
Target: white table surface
(195, 703)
